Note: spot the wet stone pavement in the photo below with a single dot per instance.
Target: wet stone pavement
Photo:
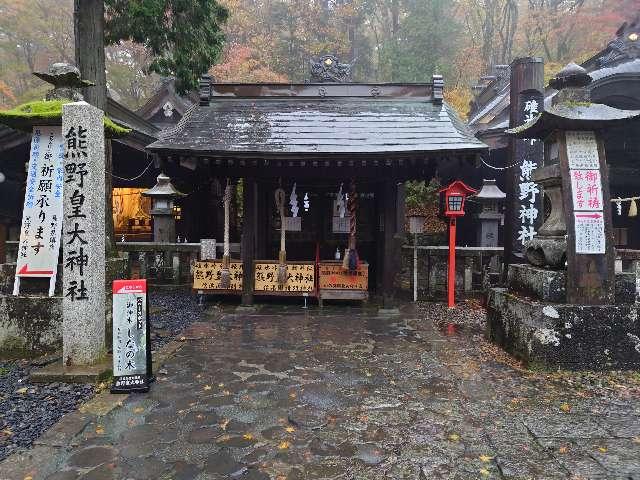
(286, 395)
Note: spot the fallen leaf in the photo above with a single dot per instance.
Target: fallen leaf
(565, 407)
(138, 410)
(99, 429)
(454, 437)
(182, 339)
(247, 436)
(131, 422)
(224, 423)
(7, 431)
(563, 449)
(29, 477)
(602, 449)
(485, 472)
(485, 458)
(636, 440)
(22, 390)
(221, 385)
(207, 387)
(284, 445)
(290, 429)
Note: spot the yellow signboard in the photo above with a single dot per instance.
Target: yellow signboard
(333, 276)
(300, 278)
(206, 275)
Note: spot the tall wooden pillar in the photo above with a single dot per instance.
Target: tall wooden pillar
(248, 245)
(391, 262)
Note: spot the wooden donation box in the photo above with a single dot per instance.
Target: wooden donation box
(300, 278)
(338, 284)
(207, 274)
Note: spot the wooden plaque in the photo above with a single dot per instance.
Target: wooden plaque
(334, 277)
(206, 276)
(300, 281)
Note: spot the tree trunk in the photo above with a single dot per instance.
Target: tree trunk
(88, 23)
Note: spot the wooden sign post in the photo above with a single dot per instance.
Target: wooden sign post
(585, 182)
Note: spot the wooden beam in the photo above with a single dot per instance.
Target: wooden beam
(247, 249)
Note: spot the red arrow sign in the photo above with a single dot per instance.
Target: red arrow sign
(25, 271)
(590, 215)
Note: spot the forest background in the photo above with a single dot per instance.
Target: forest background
(386, 40)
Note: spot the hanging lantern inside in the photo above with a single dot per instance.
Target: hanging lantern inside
(633, 209)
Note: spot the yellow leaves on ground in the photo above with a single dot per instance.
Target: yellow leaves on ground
(138, 410)
(223, 424)
(485, 458)
(221, 385)
(454, 437)
(182, 339)
(563, 449)
(6, 432)
(248, 436)
(22, 390)
(99, 429)
(602, 449)
(284, 445)
(290, 429)
(565, 407)
(484, 472)
(207, 388)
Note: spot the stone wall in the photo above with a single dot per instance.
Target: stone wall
(475, 269)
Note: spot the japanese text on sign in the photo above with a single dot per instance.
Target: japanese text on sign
(300, 278)
(582, 151)
(590, 238)
(334, 277)
(42, 213)
(207, 275)
(586, 187)
(527, 190)
(130, 333)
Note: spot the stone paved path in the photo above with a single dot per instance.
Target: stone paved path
(293, 396)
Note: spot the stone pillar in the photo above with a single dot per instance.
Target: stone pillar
(83, 237)
(524, 203)
(248, 247)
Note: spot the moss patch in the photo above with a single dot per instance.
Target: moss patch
(49, 112)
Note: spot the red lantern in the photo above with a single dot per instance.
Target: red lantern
(452, 206)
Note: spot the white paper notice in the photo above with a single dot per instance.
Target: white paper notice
(586, 187)
(582, 151)
(42, 213)
(590, 238)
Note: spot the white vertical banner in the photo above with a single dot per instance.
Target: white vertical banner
(42, 212)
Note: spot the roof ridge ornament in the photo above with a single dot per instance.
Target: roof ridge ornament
(328, 69)
(571, 82)
(625, 47)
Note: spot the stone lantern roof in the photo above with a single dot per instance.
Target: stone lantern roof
(163, 188)
(572, 108)
(490, 191)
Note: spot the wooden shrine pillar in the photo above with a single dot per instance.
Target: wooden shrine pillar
(391, 261)
(262, 220)
(248, 243)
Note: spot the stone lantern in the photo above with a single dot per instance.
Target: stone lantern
(491, 198)
(163, 195)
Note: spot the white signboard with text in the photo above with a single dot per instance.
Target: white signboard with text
(42, 213)
(586, 189)
(582, 151)
(590, 238)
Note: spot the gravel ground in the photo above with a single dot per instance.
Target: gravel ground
(170, 313)
(27, 410)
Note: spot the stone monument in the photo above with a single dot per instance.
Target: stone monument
(567, 307)
(83, 235)
(491, 198)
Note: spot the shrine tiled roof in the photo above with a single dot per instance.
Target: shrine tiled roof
(300, 123)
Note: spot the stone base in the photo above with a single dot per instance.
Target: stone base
(545, 285)
(572, 337)
(29, 326)
(57, 372)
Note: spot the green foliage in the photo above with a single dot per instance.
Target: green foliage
(424, 43)
(420, 194)
(183, 36)
(44, 112)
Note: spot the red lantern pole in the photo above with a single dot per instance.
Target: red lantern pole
(451, 277)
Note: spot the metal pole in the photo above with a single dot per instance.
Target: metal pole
(415, 267)
(451, 280)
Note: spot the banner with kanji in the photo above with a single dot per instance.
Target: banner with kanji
(42, 213)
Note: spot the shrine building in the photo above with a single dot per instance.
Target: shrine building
(299, 151)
